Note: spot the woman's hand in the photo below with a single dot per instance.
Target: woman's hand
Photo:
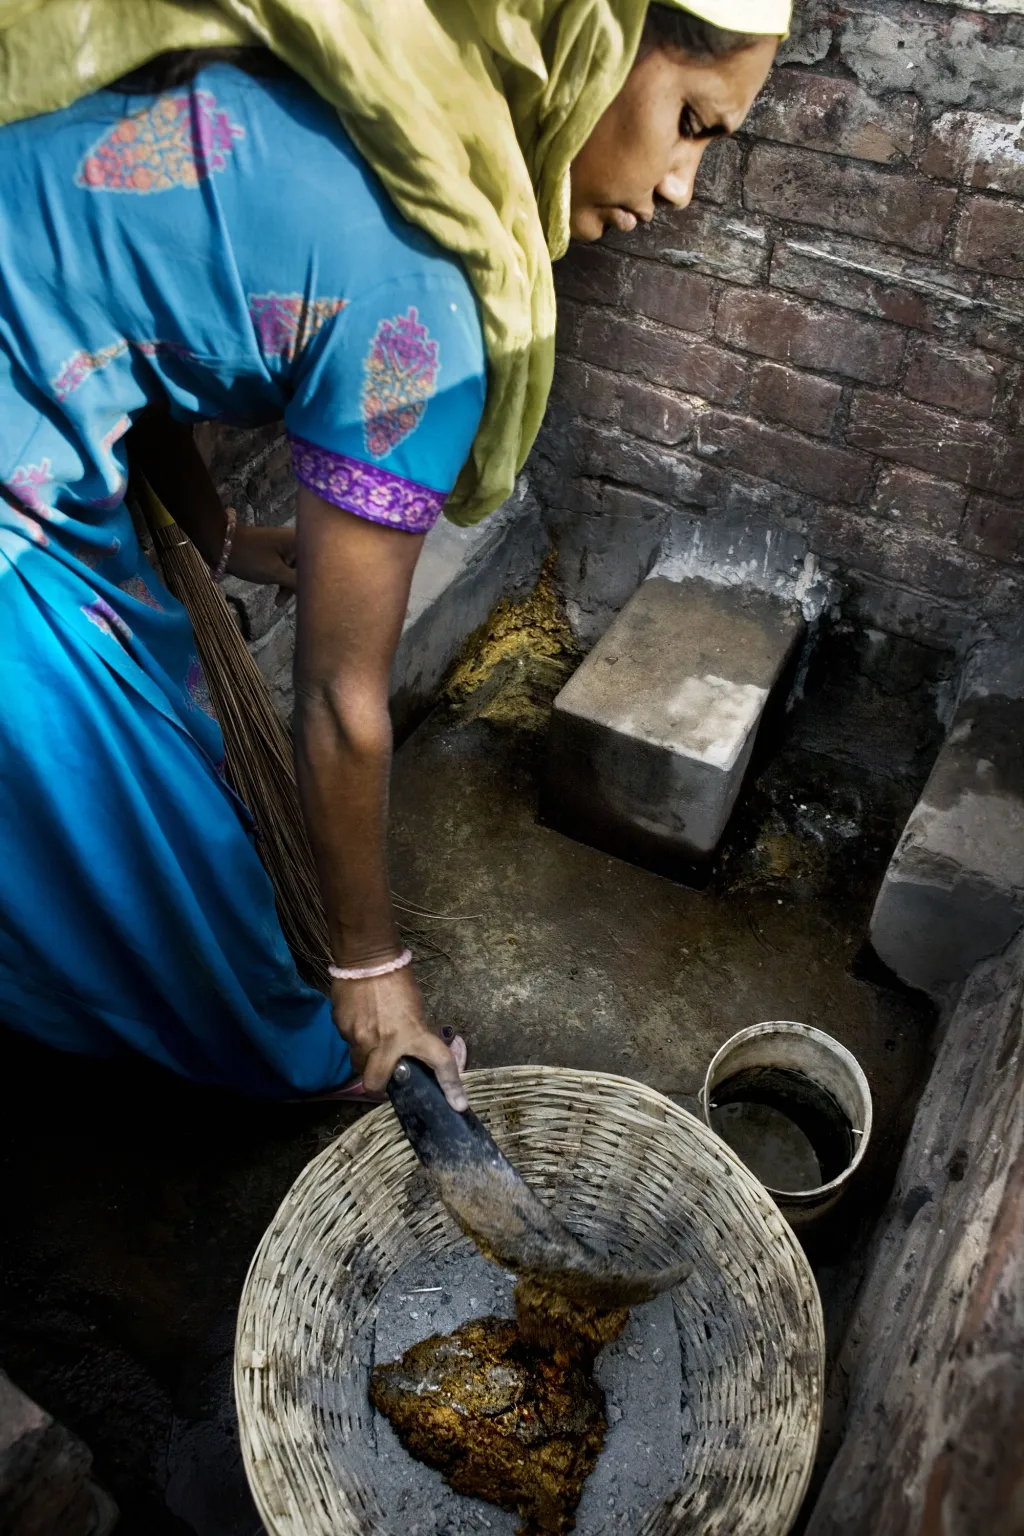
(265, 556)
(382, 1020)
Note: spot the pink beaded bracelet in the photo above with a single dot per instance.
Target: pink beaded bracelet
(221, 568)
(368, 972)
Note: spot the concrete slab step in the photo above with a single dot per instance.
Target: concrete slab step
(954, 889)
(651, 737)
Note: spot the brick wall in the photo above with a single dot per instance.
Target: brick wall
(827, 349)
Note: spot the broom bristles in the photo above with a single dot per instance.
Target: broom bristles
(257, 751)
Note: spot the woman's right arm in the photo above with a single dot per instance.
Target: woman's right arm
(354, 579)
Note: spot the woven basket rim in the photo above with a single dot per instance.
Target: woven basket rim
(483, 1077)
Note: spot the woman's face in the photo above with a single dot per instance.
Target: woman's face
(648, 144)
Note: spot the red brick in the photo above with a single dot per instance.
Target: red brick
(834, 114)
(964, 382)
(1015, 410)
(702, 239)
(811, 337)
(906, 557)
(598, 395)
(589, 392)
(608, 454)
(995, 528)
(796, 399)
(654, 414)
(970, 452)
(605, 502)
(1003, 336)
(991, 237)
(591, 273)
(905, 496)
(659, 355)
(885, 283)
(683, 299)
(271, 487)
(816, 469)
(798, 271)
(567, 323)
(720, 177)
(812, 189)
(1002, 328)
(874, 603)
(977, 148)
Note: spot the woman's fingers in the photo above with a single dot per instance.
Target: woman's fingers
(382, 1061)
(440, 1058)
(382, 1020)
(265, 556)
(284, 546)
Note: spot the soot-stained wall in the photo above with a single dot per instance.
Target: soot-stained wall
(823, 353)
(933, 1360)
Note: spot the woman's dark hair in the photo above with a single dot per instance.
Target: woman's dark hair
(168, 71)
(668, 27)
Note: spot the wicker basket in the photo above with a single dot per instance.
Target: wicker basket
(619, 1163)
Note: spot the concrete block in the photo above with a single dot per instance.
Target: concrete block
(44, 1474)
(652, 736)
(954, 890)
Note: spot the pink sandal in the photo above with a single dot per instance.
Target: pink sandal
(355, 1093)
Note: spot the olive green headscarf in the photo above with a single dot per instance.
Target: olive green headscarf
(470, 111)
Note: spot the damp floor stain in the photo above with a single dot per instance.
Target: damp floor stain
(133, 1201)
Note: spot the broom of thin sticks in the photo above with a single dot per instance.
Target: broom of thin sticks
(257, 751)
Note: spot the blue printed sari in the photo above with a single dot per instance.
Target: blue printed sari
(222, 251)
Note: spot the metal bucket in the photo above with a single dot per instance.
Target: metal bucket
(833, 1077)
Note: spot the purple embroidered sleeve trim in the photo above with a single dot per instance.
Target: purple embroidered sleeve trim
(366, 489)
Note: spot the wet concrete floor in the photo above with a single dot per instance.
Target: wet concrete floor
(133, 1202)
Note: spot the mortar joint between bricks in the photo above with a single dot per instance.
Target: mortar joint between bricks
(957, 216)
(842, 417)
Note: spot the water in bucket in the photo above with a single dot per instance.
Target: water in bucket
(790, 1132)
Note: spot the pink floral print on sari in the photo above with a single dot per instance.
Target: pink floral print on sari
(399, 379)
(178, 141)
(136, 587)
(198, 689)
(285, 322)
(115, 497)
(107, 620)
(81, 364)
(25, 484)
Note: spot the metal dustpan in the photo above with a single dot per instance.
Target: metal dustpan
(498, 1211)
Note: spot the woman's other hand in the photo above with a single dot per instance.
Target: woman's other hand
(382, 1020)
(265, 556)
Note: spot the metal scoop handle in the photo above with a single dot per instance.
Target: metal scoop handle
(493, 1206)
